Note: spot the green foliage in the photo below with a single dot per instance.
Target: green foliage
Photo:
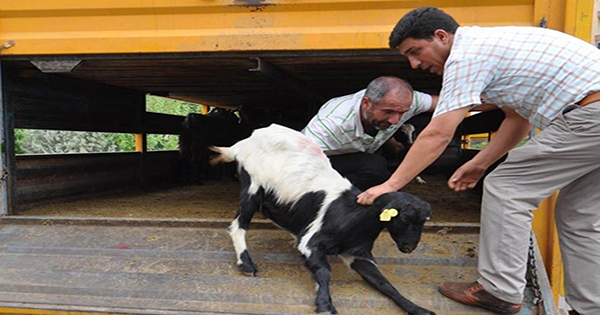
(125, 142)
(20, 138)
(163, 105)
(481, 144)
(60, 141)
(155, 142)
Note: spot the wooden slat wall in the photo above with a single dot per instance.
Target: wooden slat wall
(162, 168)
(482, 122)
(41, 178)
(51, 101)
(163, 123)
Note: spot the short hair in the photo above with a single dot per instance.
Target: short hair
(380, 86)
(421, 23)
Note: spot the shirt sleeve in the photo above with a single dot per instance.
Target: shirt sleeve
(421, 102)
(463, 83)
(324, 133)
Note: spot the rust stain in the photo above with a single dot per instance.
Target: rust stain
(253, 5)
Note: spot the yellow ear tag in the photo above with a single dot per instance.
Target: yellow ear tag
(388, 214)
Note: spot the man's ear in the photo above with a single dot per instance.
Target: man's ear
(366, 104)
(442, 35)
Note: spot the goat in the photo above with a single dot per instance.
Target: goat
(219, 127)
(288, 178)
(406, 137)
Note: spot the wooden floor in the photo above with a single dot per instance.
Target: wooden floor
(191, 270)
(219, 200)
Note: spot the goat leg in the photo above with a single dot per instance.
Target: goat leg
(318, 265)
(249, 204)
(368, 270)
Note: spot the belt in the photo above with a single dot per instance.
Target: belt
(590, 98)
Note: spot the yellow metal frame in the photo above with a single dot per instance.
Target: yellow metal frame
(578, 21)
(165, 26)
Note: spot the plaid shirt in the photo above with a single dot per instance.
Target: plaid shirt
(337, 128)
(535, 71)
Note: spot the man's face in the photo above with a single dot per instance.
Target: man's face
(428, 54)
(388, 112)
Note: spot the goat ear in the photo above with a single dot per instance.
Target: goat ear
(383, 200)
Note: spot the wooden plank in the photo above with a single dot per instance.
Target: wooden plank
(163, 123)
(482, 122)
(48, 177)
(49, 101)
(156, 270)
(162, 168)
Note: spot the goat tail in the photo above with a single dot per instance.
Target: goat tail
(224, 155)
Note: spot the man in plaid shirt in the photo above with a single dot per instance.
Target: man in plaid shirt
(540, 78)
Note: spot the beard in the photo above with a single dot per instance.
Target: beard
(377, 124)
(381, 125)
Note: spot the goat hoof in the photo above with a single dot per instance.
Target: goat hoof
(248, 270)
(326, 309)
(422, 311)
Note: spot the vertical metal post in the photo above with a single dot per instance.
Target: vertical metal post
(6, 136)
(141, 142)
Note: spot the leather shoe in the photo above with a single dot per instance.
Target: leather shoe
(473, 293)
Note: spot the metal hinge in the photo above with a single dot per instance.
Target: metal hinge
(3, 176)
(535, 284)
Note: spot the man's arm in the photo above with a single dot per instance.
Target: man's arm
(512, 130)
(430, 144)
(434, 102)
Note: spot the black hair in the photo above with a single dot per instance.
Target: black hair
(420, 24)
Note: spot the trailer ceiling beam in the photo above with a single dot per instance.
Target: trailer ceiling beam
(288, 82)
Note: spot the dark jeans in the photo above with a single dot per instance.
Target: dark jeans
(364, 170)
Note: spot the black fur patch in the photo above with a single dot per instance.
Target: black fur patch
(296, 217)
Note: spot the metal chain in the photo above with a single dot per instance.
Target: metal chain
(537, 293)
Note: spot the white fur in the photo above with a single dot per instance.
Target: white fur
(409, 130)
(349, 259)
(239, 239)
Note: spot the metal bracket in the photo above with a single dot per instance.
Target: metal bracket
(288, 82)
(7, 45)
(53, 66)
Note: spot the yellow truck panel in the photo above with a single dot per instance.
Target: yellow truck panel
(99, 27)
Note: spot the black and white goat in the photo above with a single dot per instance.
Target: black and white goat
(288, 178)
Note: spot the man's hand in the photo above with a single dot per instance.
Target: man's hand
(466, 177)
(367, 197)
